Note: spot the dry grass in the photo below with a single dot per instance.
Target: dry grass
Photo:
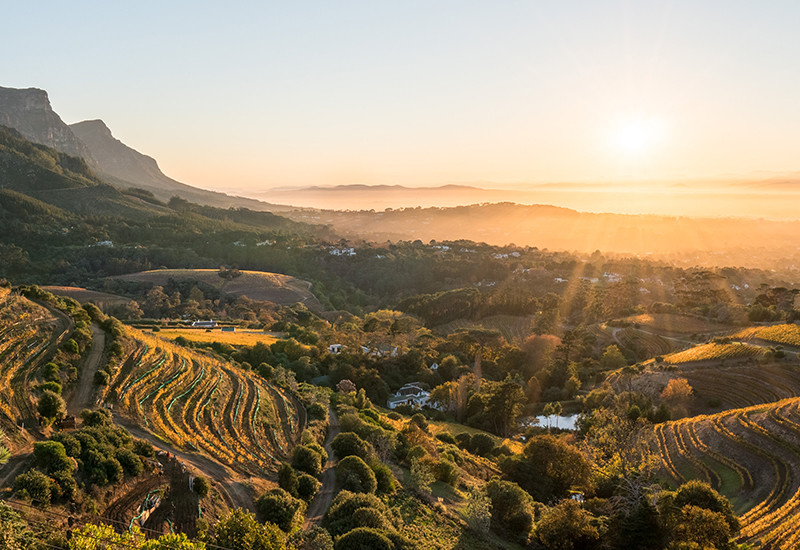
(84, 296)
(256, 285)
(238, 338)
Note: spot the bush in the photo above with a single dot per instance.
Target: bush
(279, 507)
(101, 378)
(511, 512)
(201, 486)
(51, 456)
(354, 475)
(143, 447)
(35, 485)
(287, 479)
(54, 387)
(384, 478)
(131, 464)
(446, 437)
(307, 487)
(394, 415)
(309, 459)
(464, 440)
(349, 444)
(51, 406)
(341, 516)
(421, 422)
(71, 445)
(71, 346)
(364, 538)
(481, 444)
(315, 538)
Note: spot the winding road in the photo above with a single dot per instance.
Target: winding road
(82, 397)
(316, 510)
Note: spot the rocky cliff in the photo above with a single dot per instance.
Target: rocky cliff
(29, 112)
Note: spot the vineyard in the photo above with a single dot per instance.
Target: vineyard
(780, 334)
(644, 344)
(672, 323)
(513, 329)
(714, 352)
(27, 332)
(743, 386)
(238, 338)
(748, 455)
(197, 403)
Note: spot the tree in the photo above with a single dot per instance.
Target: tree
(14, 532)
(348, 443)
(315, 538)
(201, 486)
(355, 475)
(364, 538)
(279, 507)
(239, 529)
(5, 454)
(287, 479)
(51, 406)
(345, 386)
(478, 511)
(173, 542)
(612, 358)
(568, 526)
(309, 459)
(101, 537)
(344, 512)
(678, 396)
(511, 508)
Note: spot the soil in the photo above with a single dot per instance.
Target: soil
(85, 387)
(322, 501)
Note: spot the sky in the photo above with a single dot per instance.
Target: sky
(257, 95)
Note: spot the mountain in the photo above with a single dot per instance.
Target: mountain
(29, 112)
(124, 166)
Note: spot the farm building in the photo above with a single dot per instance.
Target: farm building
(204, 324)
(228, 329)
(410, 394)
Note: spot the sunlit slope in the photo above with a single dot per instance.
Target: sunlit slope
(788, 334)
(750, 455)
(27, 332)
(197, 403)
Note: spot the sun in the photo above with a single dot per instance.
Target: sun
(634, 137)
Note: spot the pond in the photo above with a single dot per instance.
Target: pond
(564, 422)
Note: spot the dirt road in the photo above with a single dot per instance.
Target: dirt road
(83, 396)
(316, 510)
(234, 491)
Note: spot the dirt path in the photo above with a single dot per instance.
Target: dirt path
(318, 507)
(82, 397)
(234, 491)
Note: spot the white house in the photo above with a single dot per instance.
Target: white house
(204, 324)
(335, 348)
(410, 394)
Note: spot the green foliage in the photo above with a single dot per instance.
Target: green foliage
(386, 483)
(702, 495)
(478, 511)
(307, 486)
(144, 448)
(364, 538)
(568, 526)
(201, 486)
(348, 443)
(343, 513)
(421, 476)
(279, 507)
(353, 474)
(511, 508)
(421, 422)
(310, 459)
(52, 386)
(51, 406)
(51, 456)
(101, 378)
(71, 346)
(287, 479)
(315, 538)
(481, 444)
(14, 532)
(240, 530)
(37, 486)
(102, 537)
(130, 462)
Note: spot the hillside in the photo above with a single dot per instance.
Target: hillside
(256, 285)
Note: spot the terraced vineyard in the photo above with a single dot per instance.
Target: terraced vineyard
(513, 329)
(673, 323)
(742, 385)
(714, 352)
(780, 334)
(197, 403)
(27, 331)
(645, 345)
(749, 455)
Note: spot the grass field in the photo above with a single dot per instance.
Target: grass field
(780, 334)
(85, 296)
(670, 322)
(256, 285)
(238, 338)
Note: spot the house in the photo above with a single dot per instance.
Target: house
(335, 348)
(68, 423)
(204, 324)
(410, 394)
(435, 367)
(228, 329)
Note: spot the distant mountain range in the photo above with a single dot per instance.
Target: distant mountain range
(29, 112)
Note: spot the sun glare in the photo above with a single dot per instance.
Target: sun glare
(634, 137)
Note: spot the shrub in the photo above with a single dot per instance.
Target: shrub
(309, 459)
(511, 512)
(131, 464)
(348, 444)
(101, 378)
(394, 415)
(279, 507)
(384, 478)
(315, 538)
(307, 487)
(464, 440)
(143, 447)
(240, 530)
(71, 445)
(71, 346)
(355, 475)
(446, 437)
(287, 479)
(341, 515)
(35, 485)
(481, 444)
(52, 457)
(201, 486)
(364, 538)
(54, 387)
(421, 422)
(51, 406)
